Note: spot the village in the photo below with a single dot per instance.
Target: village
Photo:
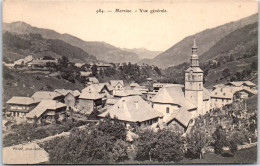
(179, 108)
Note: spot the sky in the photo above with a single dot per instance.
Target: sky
(156, 31)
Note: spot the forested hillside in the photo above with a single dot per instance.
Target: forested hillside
(232, 58)
(18, 46)
(180, 52)
(101, 50)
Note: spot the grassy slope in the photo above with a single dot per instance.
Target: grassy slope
(26, 81)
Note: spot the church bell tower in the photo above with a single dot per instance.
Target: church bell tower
(194, 82)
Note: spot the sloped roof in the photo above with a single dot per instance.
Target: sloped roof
(79, 64)
(249, 83)
(134, 84)
(42, 61)
(90, 95)
(93, 79)
(239, 83)
(252, 92)
(123, 93)
(206, 94)
(194, 69)
(165, 85)
(182, 115)
(11, 156)
(21, 100)
(113, 83)
(111, 101)
(85, 73)
(133, 92)
(132, 109)
(43, 106)
(173, 95)
(64, 92)
(96, 88)
(223, 92)
(45, 95)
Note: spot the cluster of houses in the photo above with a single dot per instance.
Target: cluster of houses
(171, 105)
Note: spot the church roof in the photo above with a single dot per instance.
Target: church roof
(132, 109)
(194, 69)
(173, 95)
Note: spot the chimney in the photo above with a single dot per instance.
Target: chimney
(136, 104)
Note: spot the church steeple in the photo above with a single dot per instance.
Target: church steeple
(194, 60)
(194, 81)
(194, 47)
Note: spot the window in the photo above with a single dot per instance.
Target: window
(167, 110)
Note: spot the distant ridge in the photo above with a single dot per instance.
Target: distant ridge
(181, 51)
(101, 50)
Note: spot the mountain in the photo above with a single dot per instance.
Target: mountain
(233, 58)
(181, 51)
(16, 46)
(101, 50)
(143, 53)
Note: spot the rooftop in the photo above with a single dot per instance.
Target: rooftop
(43, 106)
(21, 100)
(132, 109)
(45, 95)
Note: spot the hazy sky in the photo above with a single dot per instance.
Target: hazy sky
(158, 31)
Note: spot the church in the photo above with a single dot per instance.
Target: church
(191, 97)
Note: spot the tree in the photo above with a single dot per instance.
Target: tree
(87, 146)
(254, 65)
(163, 146)
(219, 137)
(94, 70)
(112, 127)
(63, 62)
(197, 140)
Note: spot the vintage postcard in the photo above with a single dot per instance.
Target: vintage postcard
(129, 82)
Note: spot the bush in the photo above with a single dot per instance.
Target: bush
(163, 146)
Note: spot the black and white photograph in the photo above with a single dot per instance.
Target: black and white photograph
(143, 82)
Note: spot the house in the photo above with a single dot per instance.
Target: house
(133, 85)
(92, 80)
(133, 110)
(42, 63)
(9, 65)
(30, 153)
(117, 85)
(158, 86)
(244, 94)
(171, 99)
(79, 64)
(89, 101)
(111, 102)
(221, 96)
(85, 73)
(23, 61)
(20, 106)
(70, 97)
(47, 95)
(47, 111)
(241, 84)
(178, 121)
(101, 88)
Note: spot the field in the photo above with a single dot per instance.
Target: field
(245, 156)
